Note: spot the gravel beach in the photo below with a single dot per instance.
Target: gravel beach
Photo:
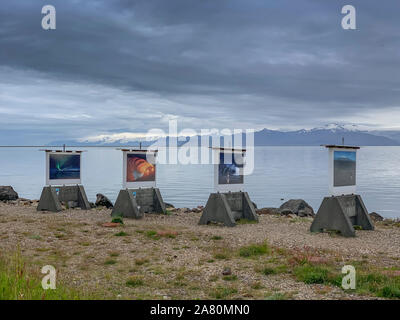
(175, 258)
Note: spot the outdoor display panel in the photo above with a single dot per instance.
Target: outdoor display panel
(139, 169)
(63, 168)
(228, 170)
(344, 168)
(229, 173)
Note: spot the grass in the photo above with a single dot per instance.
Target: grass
(222, 292)
(121, 234)
(231, 277)
(134, 282)
(254, 250)
(18, 282)
(216, 238)
(246, 221)
(110, 262)
(152, 234)
(117, 219)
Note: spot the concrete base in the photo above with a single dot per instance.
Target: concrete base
(227, 208)
(51, 198)
(134, 203)
(341, 213)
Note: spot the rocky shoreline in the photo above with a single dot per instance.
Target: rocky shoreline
(291, 208)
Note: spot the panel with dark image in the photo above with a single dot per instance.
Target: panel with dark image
(344, 168)
(64, 166)
(230, 172)
(139, 169)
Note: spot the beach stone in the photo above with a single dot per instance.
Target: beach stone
(376, 216)
(102, 200)
(7, 193)
(169, 205)
(286, 212)
(296, 206)
(227, 271)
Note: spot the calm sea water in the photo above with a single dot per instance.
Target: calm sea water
(280, 173)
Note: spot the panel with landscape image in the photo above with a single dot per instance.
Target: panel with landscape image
(64, 166)
(230, 168)
(344, 168)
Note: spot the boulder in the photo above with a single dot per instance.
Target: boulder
(102, 200)
(7, 193)
(376, 216)
(298, 207)
(168, 205)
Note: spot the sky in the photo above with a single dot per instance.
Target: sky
(117, 68)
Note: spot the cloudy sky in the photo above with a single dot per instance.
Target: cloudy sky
(114, 67)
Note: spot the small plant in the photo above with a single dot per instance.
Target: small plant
(114, 254)
(231, 277)
(134, 282)
(140, 262)
(222, 292)
(121, 234)
(311, 274)
(110, 262)
(254, 250)
(117, 219)
(221, 256)
(216, 238)
(357, 227)
(152, 235)
(246, 221)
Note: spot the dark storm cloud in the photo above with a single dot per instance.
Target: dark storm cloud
(209, 62)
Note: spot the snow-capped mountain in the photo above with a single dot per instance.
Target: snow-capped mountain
(329, 134)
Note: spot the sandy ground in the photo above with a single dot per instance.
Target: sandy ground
(187, 265)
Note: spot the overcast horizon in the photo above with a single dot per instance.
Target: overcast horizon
(125, 67)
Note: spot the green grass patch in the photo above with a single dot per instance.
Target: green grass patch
(121, 234)
(216, 238)
(20, 282)
(246, 221)
(231, 277)
(117, 219)
(110, 262)
(222, 292)
(152, 234)
(135, 282)
(254, 250)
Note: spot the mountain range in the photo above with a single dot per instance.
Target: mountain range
(329, 134)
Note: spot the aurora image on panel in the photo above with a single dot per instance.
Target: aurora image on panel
(344, 168)
(139, 169)
(64, 166)
(229, 173)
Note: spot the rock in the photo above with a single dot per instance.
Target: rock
(7, 193)
(268, 211)
(286, 212)
(102, 200)
(72, 204)
(111, 224)
(168, 205)
(376, 216)
(297, 206)
(227, 271)
(92, 205)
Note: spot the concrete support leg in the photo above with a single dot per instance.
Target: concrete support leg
(342, 213)
(49, 200)
(126, 206)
